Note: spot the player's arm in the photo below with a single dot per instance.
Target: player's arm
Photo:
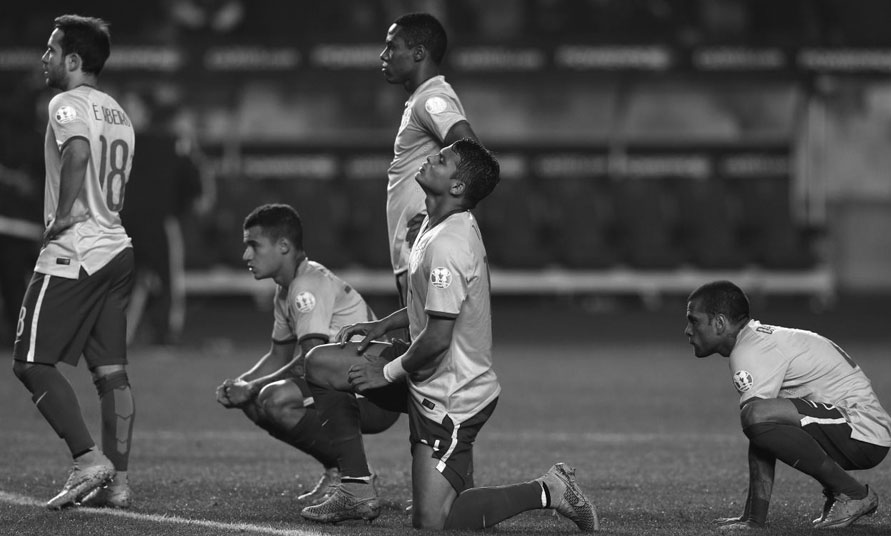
(75, 159)
(373, 330)
(295, 368)
(459, 130)
(280, 353)
(424, 353)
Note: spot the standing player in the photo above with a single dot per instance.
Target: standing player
(433, 118)
(311, 304)
(803, 401)
(77, 298)
(445, 380)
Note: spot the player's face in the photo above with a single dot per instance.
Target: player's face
(260, 253)
(700, 331)
(397, 62)
(437, 173)
(53, 61)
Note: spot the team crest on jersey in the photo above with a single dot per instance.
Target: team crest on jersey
(441, 277)
(436, 105)
(305, 302)
(65, 114)
(742, 380)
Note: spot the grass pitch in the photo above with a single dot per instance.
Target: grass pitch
(652, 431)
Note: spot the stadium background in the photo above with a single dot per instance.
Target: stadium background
(647, 146)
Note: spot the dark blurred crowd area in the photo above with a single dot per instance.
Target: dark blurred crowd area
(649, 169)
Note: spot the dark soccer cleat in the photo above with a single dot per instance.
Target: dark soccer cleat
(845, 510)
(830, 500)
(83, 479)
(568, 499)
(350, 501)
(328, 482)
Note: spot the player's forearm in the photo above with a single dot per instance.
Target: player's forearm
(71, 179)
(396, 320)
(762, 467)
(430, 346)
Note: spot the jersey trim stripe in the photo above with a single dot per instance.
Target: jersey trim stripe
(32, 340)
(72, 138)
(817, 420)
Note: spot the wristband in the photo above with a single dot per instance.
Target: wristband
(394, 370)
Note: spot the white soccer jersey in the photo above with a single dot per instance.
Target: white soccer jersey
(316, 304)
(776, 362)
(430, 112)
(449, 276)
(87, 113)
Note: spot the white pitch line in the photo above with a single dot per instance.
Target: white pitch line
(21, 500)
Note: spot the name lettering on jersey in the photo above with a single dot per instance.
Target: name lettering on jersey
(305, 302)
(743, 380)
(112, 116)
(441, 277)
(765, 329)
(65, 114)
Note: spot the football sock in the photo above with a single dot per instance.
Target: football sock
(479, 508)
(340, 413)
(118, 411)
(796, 448)
(308, 436)
(56, 401)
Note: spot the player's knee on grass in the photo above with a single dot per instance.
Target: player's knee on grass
(328, 365)
(281, 402)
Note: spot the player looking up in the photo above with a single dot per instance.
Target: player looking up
(803, 401)
(310, 306)
(445, 379)
(76, 301)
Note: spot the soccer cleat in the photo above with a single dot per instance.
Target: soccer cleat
(328, 482)
(736, 523)
(568, 499)
(350, 501)
(830, 500)
(115, 494)
(846, 510)
(84, 478)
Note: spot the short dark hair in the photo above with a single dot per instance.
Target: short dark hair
(277, 221)
(478, 170)
(424, 29)
(722, 297)
(88, 37)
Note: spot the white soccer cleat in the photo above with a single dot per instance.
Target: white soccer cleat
(115, 494)
(84, 478)
(845, 510)
(328, 482)
(568, 499)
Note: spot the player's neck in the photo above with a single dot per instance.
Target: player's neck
(422, 76)
(440, 212)
(288, 273)
(81, 80)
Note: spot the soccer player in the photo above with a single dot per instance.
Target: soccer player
(803, 401)
(433, 118)
(76, 301)
(445, 379)
(311, 304)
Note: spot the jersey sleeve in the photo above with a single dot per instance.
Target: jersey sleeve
(281, 328)
(758, 373)
(312, 306)
(68, 118)
(438, 113)
(447, 258)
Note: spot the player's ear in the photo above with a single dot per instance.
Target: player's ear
(419, 52)
(73, 61)
(457, 189)
(284, 245)
(720, 323)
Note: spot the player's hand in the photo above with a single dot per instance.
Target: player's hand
(368, 374)
(58, 225)
(240, 392)
(370, 330)
(223, 394)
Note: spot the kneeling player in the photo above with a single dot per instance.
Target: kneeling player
(311, 304)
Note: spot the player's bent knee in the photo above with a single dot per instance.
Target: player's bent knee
(328, 365)
(771, 410)
(279, 399)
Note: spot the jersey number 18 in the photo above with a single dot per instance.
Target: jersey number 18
(114, 157)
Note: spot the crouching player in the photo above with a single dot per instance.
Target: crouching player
(803, 401)
(311, 305)
(445, 379)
